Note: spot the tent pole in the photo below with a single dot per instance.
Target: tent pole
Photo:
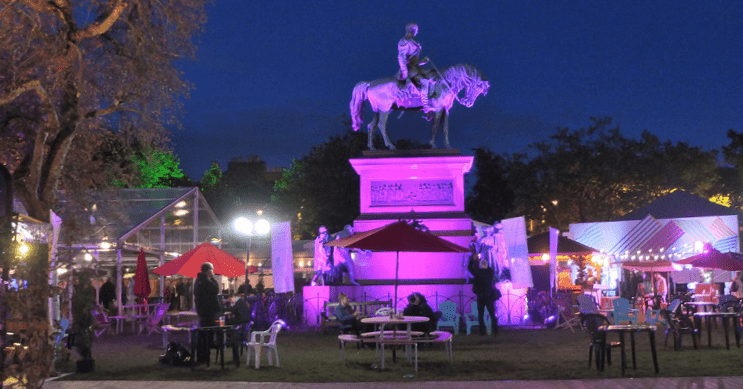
(397, 268)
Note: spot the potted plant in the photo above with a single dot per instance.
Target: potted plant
(83, 303)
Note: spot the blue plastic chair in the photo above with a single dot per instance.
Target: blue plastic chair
(472, 319)
(449, 316)
(623, 312)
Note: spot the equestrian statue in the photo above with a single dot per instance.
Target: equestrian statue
(416, 89)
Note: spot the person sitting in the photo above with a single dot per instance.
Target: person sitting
(347, 318)
(418, 306)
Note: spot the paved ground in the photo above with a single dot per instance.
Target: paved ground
(628, 383)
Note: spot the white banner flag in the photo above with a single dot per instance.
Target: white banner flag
(514, 230)
(282, 258)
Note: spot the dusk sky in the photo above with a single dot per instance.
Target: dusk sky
(275, 78)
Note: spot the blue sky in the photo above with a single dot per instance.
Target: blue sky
(274, 78)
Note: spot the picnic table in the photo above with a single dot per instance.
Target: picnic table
(393, 337)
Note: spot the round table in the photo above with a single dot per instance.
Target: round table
(381, 321)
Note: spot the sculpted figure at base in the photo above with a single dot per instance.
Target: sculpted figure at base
(321, 261)
(343, 264)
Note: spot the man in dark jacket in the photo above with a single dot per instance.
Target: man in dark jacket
(482, 286)
(208, 307)
(107, 294)
(348, 319)
(206, 294)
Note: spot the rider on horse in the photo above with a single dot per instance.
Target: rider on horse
(411, 72)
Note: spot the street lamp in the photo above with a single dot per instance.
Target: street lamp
(250, 228)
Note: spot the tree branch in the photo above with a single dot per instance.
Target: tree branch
(36, 162)
(102, 27)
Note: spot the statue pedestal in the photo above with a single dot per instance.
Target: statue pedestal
(427, 185)
(314, 299)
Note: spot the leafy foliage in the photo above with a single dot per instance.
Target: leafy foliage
(158, 169)
(29, 360)
(74, 70)
(211, 177)
(322, 188)
(590, 174)
(491, 197)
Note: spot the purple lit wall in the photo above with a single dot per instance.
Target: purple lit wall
(422, 184)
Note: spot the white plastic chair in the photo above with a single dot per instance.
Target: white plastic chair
(153, 322)
(258, 342)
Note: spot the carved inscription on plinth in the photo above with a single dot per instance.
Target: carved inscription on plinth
(411, 192)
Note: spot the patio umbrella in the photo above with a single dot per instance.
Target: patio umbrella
(651, 266)
(189, 264)
(142, 287)
(398, 236)
(713, 259)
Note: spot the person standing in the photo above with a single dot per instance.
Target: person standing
(661, 287)
(737, 287)
(107, 294)
(482, 286)
(206, 294)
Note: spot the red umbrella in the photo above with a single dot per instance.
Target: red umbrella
(189, 264)
(651, 266)
(398, 236)
(142, 287)
(713, 259)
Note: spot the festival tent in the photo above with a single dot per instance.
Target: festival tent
(396, 237)
(669, 226)
(540, 244)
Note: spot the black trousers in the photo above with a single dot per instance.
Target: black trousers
(489, 303)
(203, 338)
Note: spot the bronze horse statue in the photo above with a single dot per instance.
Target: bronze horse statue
(385, 95)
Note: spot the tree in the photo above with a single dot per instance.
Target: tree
(322, 188)
(74, 69)
(158, 169)
(595, 174)
(491, 198)
(211, 177)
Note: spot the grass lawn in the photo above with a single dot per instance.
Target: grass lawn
(516, 354)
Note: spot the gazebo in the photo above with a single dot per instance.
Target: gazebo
(163, 222)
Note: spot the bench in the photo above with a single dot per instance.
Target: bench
(366, 308)
(435, 337)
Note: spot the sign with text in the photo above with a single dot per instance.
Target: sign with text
(411, 192)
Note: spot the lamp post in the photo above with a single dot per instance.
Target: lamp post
(250, 228)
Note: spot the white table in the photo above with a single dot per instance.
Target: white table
(381, 337)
